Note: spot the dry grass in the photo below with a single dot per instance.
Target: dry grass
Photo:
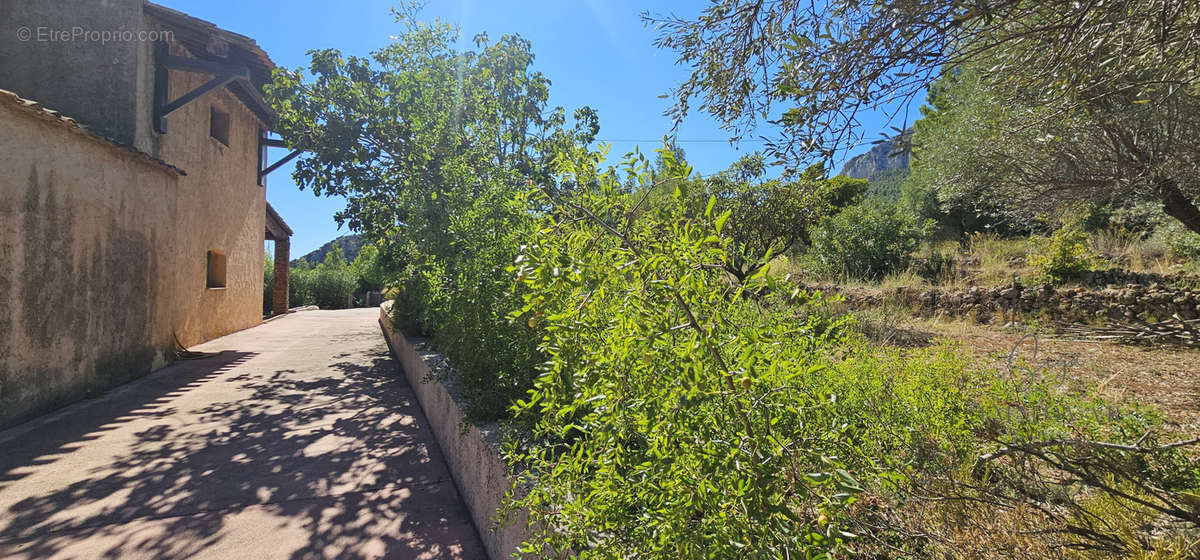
(1166, 378)
(1129, 250)
(987, 259)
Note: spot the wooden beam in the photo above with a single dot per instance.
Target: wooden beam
(197, 65)
(207, 88)
(222, 74)
(161, 77)
(280, 163)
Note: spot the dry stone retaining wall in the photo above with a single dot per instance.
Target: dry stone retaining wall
(1074, 304)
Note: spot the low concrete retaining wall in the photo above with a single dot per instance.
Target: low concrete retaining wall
(474, 461)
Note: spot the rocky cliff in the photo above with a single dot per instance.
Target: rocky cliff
(882, 157)
(351, 245)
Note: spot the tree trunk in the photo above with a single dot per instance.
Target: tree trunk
(1178, 205)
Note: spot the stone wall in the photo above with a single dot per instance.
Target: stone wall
(87, 282)
(1074, 304)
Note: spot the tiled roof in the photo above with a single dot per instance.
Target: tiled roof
(273, 218)
(196, 34)
(36, 109)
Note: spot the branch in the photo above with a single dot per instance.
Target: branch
(1035, 445)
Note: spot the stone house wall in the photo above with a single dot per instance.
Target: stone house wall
(221, 206)
(88, 282)
(105, 232)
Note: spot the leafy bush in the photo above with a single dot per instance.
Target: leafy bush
(658, 385)
(1062, 256)
(768, 217)
(331, 288)
(680, 417)
(1181, 242)
(330, 285)
(935, 266)
(369, 271)
(866, 241)
(268, 287)
(299, 281)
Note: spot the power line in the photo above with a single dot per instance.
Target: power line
(677, 141)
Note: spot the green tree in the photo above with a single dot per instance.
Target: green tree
(268, 285)
(335, 258)
(368, 269)
(429, 143)
(1082, 100)
(940, 137)
(330, 285)
(769, 216)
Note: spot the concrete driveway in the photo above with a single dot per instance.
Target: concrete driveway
(295, 439)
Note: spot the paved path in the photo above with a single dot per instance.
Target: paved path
(296, 439)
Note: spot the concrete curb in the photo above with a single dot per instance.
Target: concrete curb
(478, 471)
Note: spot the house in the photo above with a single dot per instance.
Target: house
(133, 157)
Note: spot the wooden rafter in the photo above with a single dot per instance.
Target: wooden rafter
(222, 74)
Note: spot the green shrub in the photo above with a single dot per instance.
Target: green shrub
(935, 266)
(268, 287)
(330, 285)
(460, 298)
(678, 417)
(1064, 255)
(1180, 241)
(300, 286)
(331, 288)
(866, 241)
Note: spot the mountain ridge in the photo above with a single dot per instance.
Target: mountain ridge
(882, 157)
(351, 244)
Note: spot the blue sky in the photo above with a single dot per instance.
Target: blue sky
(595, 52)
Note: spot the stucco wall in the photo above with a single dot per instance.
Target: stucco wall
(108, 251)
(221, 206)
(88, 80)
(87, 281)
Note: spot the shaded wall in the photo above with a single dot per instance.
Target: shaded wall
(89, 80)
(105, 253)
(87, 285)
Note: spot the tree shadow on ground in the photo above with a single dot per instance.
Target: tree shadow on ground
(320, 462)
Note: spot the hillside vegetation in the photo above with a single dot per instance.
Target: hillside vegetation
(669, 390)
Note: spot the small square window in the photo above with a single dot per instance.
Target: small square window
(216, 270)
(218, 125)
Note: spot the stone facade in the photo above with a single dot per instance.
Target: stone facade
(109, 228)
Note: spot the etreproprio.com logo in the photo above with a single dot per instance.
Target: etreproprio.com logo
(79, 34)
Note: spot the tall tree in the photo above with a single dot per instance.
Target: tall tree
(1121, 75)
(414, 133)
(432, 147)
